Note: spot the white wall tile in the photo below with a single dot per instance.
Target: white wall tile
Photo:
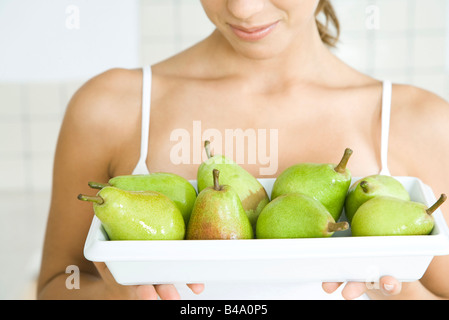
(156, 52)
(430, 14)
(44, 98)
(41, 173)
(391, 53)
(10, 99)
(193, 20)
(44, 41)
(157, 19)
(447, 39)
(429, 52)
(11, 139)
(351, 13)
(393, 15)
(12, 173)
(44, 135)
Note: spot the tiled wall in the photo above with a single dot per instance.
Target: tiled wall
(409, 44)
(30, 118)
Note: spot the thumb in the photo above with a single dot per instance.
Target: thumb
(390, 286)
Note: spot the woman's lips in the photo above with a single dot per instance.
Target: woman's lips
(253, 34)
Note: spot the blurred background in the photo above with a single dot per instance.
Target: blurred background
(49, 48)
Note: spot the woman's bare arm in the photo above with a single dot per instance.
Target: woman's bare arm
(91, 132)
(100, 133)
(419, 146)
(420, 134)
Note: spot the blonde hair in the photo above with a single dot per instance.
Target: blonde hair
(328, 36)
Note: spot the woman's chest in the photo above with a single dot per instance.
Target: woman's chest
(264, 134)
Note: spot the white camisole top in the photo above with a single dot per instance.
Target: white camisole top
(256, 291)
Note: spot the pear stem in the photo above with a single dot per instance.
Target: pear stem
(207, 148)
(95, 199)
(216, 173)
(437, 204)
(341, 167)
(339, 226)
(364, 185)
(97, 185)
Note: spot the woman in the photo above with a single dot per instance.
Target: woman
(266, 66)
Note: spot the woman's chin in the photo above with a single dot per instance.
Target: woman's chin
(264, 49)
(256, 51)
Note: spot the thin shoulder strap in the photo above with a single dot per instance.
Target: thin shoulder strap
(386, 113)
(141, 167)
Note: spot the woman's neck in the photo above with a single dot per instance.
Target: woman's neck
(306, 59)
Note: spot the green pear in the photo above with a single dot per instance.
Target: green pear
(327, 183)
(218, 214)
(387, 216)
(173, 186)
(137, 215)
(370, 187)
(296, 215)
(251, 192)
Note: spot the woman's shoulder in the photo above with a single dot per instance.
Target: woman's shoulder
(104, 114)
(110, 97)
(415, 106)
(416, 96)
(419, 129)
(110, 88)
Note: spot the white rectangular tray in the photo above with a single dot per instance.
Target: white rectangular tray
(339, 258)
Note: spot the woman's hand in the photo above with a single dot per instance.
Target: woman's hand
(387, 287)
(140, 292)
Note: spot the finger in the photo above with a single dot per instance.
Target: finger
(196, 288)
(116, 290)
(390, 286)
(167, 292)
(331, 287)
(353, 290)
(146, 292)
